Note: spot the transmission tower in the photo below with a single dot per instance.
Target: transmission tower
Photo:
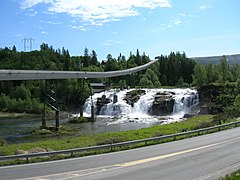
(27, 43)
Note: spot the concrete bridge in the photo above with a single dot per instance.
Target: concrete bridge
(13, 75)
(6, 75)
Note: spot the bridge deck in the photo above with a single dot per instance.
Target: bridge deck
(6, 75)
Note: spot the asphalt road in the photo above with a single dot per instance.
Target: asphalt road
(204, 157)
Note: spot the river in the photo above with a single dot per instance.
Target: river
(111, 119)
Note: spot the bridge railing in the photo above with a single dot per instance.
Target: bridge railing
(113, 145)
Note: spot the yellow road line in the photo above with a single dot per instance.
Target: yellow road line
(91, 171)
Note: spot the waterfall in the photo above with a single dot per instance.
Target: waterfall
(185, 101)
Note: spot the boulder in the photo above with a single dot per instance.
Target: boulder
(19, 151)
(101, 102)
(133, 96)
(189, 115)
(163, 104)
(36, 150)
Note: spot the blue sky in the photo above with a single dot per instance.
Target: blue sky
(197, 27)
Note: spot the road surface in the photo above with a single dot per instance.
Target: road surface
(204, 157)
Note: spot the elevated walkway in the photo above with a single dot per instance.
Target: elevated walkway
(6, 75)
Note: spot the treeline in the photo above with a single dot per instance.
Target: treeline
(219, 87)
(216, 73)
(172, 70)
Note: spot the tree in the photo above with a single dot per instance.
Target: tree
(111, 63)
(44, 46)
(86, 58)
(22, 93)
(67, 60)
(145, 82)
(151, 76)
(199, 76)
(237, 103)
(138, 59)
(14, 49)
(94, 60)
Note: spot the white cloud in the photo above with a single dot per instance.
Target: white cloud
(32, 12)
(97, 12)
(174, 22)
(78, 28)
(110, 42)
(44, 32)
(203, 7)
(106, 44)
(51, 22)
(30, 3)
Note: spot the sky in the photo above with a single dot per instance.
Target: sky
(154, 27)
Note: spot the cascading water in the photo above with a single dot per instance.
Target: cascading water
(185, 101)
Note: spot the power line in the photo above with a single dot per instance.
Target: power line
(27, 43)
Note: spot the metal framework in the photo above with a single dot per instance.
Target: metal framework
(6, 75)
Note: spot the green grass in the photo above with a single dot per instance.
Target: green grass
(233, 176)
(16, 115)
(112, 137)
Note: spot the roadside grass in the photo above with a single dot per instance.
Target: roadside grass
(112, 137)
(234, 176)
(108, 138)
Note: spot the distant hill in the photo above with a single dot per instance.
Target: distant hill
(232, 59)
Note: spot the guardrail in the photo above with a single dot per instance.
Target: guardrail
(92, 148)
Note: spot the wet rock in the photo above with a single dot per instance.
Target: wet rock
(162, 104)
(133, 96)
(101, 102)
(189, 115)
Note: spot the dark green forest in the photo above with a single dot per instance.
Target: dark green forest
(175, 69)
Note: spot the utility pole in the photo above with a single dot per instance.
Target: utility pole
(27, 43)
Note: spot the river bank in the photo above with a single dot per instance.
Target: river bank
(5, 115)
(111, 137)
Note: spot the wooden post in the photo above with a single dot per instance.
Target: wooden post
(43, 118)
(57, 116)
(92, 113)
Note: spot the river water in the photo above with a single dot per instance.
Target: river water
(111, 119)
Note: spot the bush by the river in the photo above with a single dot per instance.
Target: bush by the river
(8, 104)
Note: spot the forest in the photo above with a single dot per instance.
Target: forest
(175, 69)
